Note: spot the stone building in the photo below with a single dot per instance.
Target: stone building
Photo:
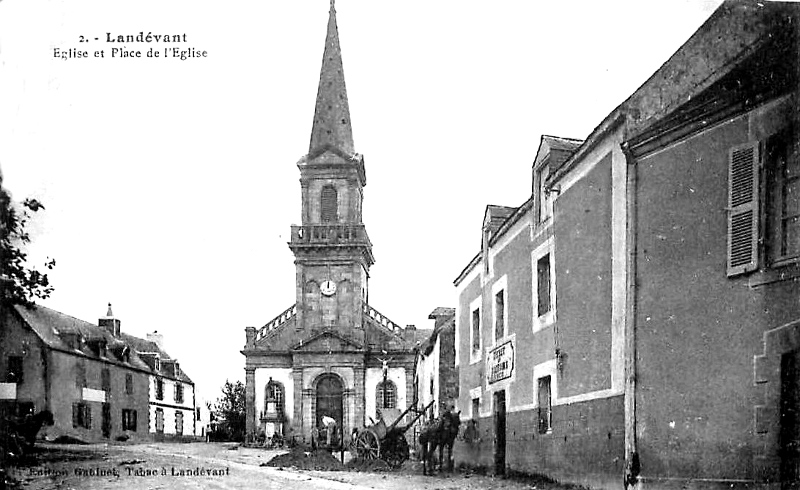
(90, 376)
(331, 353)
(635, 323)
(437, 377)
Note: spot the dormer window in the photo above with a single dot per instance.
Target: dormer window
(98, 347)
(72, 339)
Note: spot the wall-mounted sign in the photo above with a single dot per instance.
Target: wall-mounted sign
(500, 362)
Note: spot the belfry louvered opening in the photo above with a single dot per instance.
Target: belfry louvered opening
(329, 204)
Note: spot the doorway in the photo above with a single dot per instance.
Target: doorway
(790, 420)
(500, 433)
(329, 399)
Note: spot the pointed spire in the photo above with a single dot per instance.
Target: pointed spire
(332, 112)
(109, 313)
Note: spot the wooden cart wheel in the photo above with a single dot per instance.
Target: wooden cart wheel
(367, 445)
(395, 450)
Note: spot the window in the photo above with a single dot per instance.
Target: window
(129, 384)
(178, 392)
(543, 196)
(159, 389)
(14, 373)
(545, 407)
(128, 419)
(329, 204)
(179, 422)
(499, 314)
(783, 197)
(105, 380)
(476, 406)
(543, 282)
(476, 331)
(81, 415)
(385, 395)
(273, 398)
(160, 420)
(80, 375)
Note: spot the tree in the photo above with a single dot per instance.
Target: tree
(19, 284)
(229, 411)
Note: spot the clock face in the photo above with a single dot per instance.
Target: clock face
(328, 288)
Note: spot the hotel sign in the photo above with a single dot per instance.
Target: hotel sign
(500, 362)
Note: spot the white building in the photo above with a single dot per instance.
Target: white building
(172, 404)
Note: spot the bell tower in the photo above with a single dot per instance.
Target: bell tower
(332, 250)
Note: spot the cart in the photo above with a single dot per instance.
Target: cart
(379, 441)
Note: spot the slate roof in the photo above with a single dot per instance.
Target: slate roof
(495, 211)
(445, 320)
(332, 126)
(560, 143)
(51, 326)
(142, 345)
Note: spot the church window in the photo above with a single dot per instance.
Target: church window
(273, 399)
(329, 204)
(385, 395)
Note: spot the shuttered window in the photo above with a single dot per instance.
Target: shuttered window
(329, 204)
(128, 419)
(105, 380)
(179, 422)
(743, 209)
(81, 415)
(782, 160)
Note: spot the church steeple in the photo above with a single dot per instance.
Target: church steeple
(332, 127)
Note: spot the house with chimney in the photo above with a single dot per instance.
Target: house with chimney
(172, 404)
(90, 376)
(635, 323)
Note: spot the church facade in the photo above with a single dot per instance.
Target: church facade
(330, 354)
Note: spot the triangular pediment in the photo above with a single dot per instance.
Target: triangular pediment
(328, 341)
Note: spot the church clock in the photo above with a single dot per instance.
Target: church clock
(328, 288)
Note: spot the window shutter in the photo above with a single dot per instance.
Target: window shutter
(743, 195)
(75, 419)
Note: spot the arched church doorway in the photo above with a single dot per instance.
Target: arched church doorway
(329, 399)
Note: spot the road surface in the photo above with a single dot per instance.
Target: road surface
(217, 466)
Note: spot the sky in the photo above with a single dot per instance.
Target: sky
(170, 185)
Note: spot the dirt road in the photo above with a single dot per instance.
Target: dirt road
(218, 466)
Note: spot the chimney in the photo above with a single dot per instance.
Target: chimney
(111, 324)
(157, 339)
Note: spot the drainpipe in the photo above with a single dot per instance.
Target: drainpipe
(632, 465)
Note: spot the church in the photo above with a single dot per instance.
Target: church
(331, 354)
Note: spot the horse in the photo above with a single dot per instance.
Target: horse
(20, 432)
(440, 432)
